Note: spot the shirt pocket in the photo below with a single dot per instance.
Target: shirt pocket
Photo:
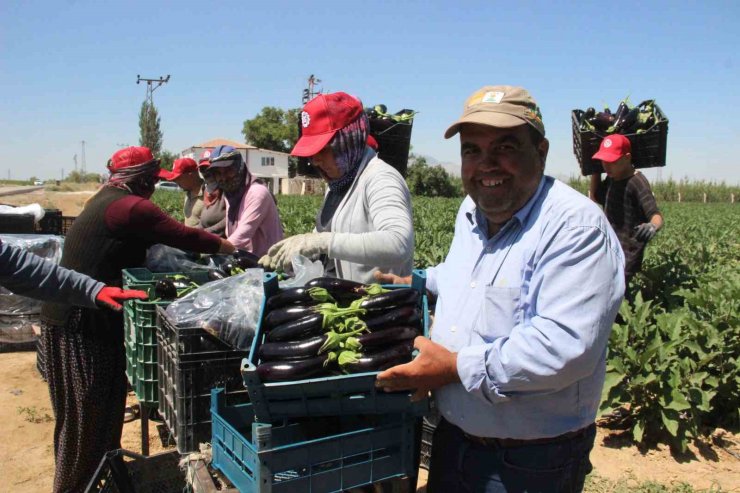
(499, 313)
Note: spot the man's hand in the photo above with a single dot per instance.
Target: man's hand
(645, 232)
(112, 297)
(310, 245)
(433, 367)
(384, 278)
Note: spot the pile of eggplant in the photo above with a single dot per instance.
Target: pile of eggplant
(231, 265)
(334, 325)
(625, 120)
(173, 287)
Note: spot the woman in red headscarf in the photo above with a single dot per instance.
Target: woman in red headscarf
(84, 347)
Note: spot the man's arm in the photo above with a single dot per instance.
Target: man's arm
(27, 274)
(644, 195)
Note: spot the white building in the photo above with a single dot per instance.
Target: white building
(270, 166)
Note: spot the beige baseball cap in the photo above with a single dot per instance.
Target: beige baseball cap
(500, 106)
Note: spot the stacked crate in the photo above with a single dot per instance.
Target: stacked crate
(321, 434)
(140, 331)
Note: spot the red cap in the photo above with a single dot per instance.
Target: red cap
(205, 159)
(613, 147)
(321, 118)
(179, 167)
(131, 156)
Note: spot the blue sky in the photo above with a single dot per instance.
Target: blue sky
(68, 70)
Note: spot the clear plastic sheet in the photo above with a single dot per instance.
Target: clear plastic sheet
(304, 270)
(228, 309)
(163, 258)
(35, 209)
(48, 247)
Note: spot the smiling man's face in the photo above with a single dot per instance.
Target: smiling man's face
(501, 168)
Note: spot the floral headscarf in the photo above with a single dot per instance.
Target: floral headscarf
(348, 145)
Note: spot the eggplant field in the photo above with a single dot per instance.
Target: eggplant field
(673, 368)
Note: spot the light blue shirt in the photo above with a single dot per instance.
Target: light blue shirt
(529, 313)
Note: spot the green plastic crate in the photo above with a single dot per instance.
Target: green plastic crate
(140, 323)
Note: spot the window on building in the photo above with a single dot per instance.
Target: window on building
(268, 161)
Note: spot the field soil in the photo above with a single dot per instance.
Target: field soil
(69, 201)
(27, 428)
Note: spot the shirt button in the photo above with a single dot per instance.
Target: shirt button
(488, 249)
(472, 284)
(453, 328)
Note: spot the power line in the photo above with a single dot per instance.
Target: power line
(151, 86)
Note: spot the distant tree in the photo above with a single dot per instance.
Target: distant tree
(166, 158)
(32, 179)
(149, 133)
(430, 181)
(273, 128)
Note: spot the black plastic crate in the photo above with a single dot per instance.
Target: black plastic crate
(193, 342)
(427, 432)
(191, 362)
(17, 223)
(67, 222)
(51, 223)
(648, 148)
(122, 471)
(394, 141)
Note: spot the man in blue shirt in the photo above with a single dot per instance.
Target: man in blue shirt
(526, 298)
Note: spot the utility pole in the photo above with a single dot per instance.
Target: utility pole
(75, 160)
(83, 168)
(309, 93)
(151, 86)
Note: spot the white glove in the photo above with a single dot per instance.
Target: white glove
(310, 245)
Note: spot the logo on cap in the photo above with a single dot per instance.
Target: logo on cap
(608, 143)
(305, 119)
(493, 97)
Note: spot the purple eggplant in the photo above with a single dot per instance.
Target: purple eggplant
(343, 290)
(292, 350)
(297, 329)
(386, 337)
(276, 371)
(298, 296)
(246, 260)
(405, 315)
(287, 314)
(392, 299)
(359, 362)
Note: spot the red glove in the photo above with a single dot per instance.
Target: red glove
(112, 297)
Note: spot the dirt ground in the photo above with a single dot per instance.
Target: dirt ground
(27, 425)
(70, 203)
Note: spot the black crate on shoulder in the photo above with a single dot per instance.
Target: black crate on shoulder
(648, 148)
(394, 140)
(122, 471)
(192, 362)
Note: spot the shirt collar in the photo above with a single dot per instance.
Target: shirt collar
(476, 218)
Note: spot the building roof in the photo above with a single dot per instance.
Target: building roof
(225, 142)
